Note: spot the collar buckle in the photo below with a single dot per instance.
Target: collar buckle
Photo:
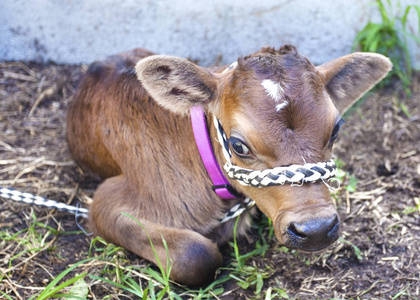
(224, 190)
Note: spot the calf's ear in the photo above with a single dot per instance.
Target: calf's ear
(347, 78)
(176, 83)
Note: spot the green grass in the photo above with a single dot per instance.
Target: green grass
(54, 289)
(346, 182)
(31, 240)
(245, 275)
(390, 39)
(357, 251)
(157, 285)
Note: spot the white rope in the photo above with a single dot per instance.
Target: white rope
(27, 198)
(39, 201)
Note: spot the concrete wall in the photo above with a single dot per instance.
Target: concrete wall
(75, 31)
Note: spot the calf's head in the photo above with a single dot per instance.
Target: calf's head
(276, 109)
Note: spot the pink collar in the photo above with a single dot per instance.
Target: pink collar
(221, 185)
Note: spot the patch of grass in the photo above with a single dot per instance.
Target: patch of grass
(401, 105)
(142, 282)
(210, 292)
(31, 240)
(158, 285)
(265, 229)
(107, 250)
(245, 275)
(411, 210)
(348, 181)
(146, 282)
(403, 293)
(276, 292)
(390, 39)
(52, 290)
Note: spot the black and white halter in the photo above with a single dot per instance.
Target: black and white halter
(293, 174)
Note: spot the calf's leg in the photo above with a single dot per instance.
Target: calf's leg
(194, 257)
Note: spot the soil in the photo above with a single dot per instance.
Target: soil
(377, 257)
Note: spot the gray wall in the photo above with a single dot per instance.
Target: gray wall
(75, 31)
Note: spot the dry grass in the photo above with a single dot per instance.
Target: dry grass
(376, 259)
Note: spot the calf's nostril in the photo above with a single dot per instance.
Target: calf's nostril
(293, 230)
(334, 229)
(334, 223)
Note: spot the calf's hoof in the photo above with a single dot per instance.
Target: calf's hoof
(196, 263)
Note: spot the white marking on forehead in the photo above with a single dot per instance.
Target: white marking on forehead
(281, 106)
(274, 90)
(230, 67)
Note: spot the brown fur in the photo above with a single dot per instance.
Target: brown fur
(137, 134)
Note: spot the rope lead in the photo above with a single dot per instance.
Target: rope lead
(39, 201)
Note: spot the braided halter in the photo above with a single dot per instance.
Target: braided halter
(293, 174)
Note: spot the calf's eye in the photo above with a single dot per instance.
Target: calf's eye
(336, 130)
(239, 147)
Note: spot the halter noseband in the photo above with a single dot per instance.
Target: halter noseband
(293, 174)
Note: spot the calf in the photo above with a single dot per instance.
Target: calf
(270, 116)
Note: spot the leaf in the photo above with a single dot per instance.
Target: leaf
(407, 11)
(53, 292)
(351, 187)
(405, 110)
(243, 284)
(384, 14)
(356, 249)
(259, 285)
(146, 294)
(79, 289)
(218, 291)
(268, 293)
(48, 291)
(162, 293)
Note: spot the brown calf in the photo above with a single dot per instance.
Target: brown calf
(129, 124)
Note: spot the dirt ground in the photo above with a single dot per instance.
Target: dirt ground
(379, 145)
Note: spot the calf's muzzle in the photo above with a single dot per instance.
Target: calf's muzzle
(311, 228)
(313, 234)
